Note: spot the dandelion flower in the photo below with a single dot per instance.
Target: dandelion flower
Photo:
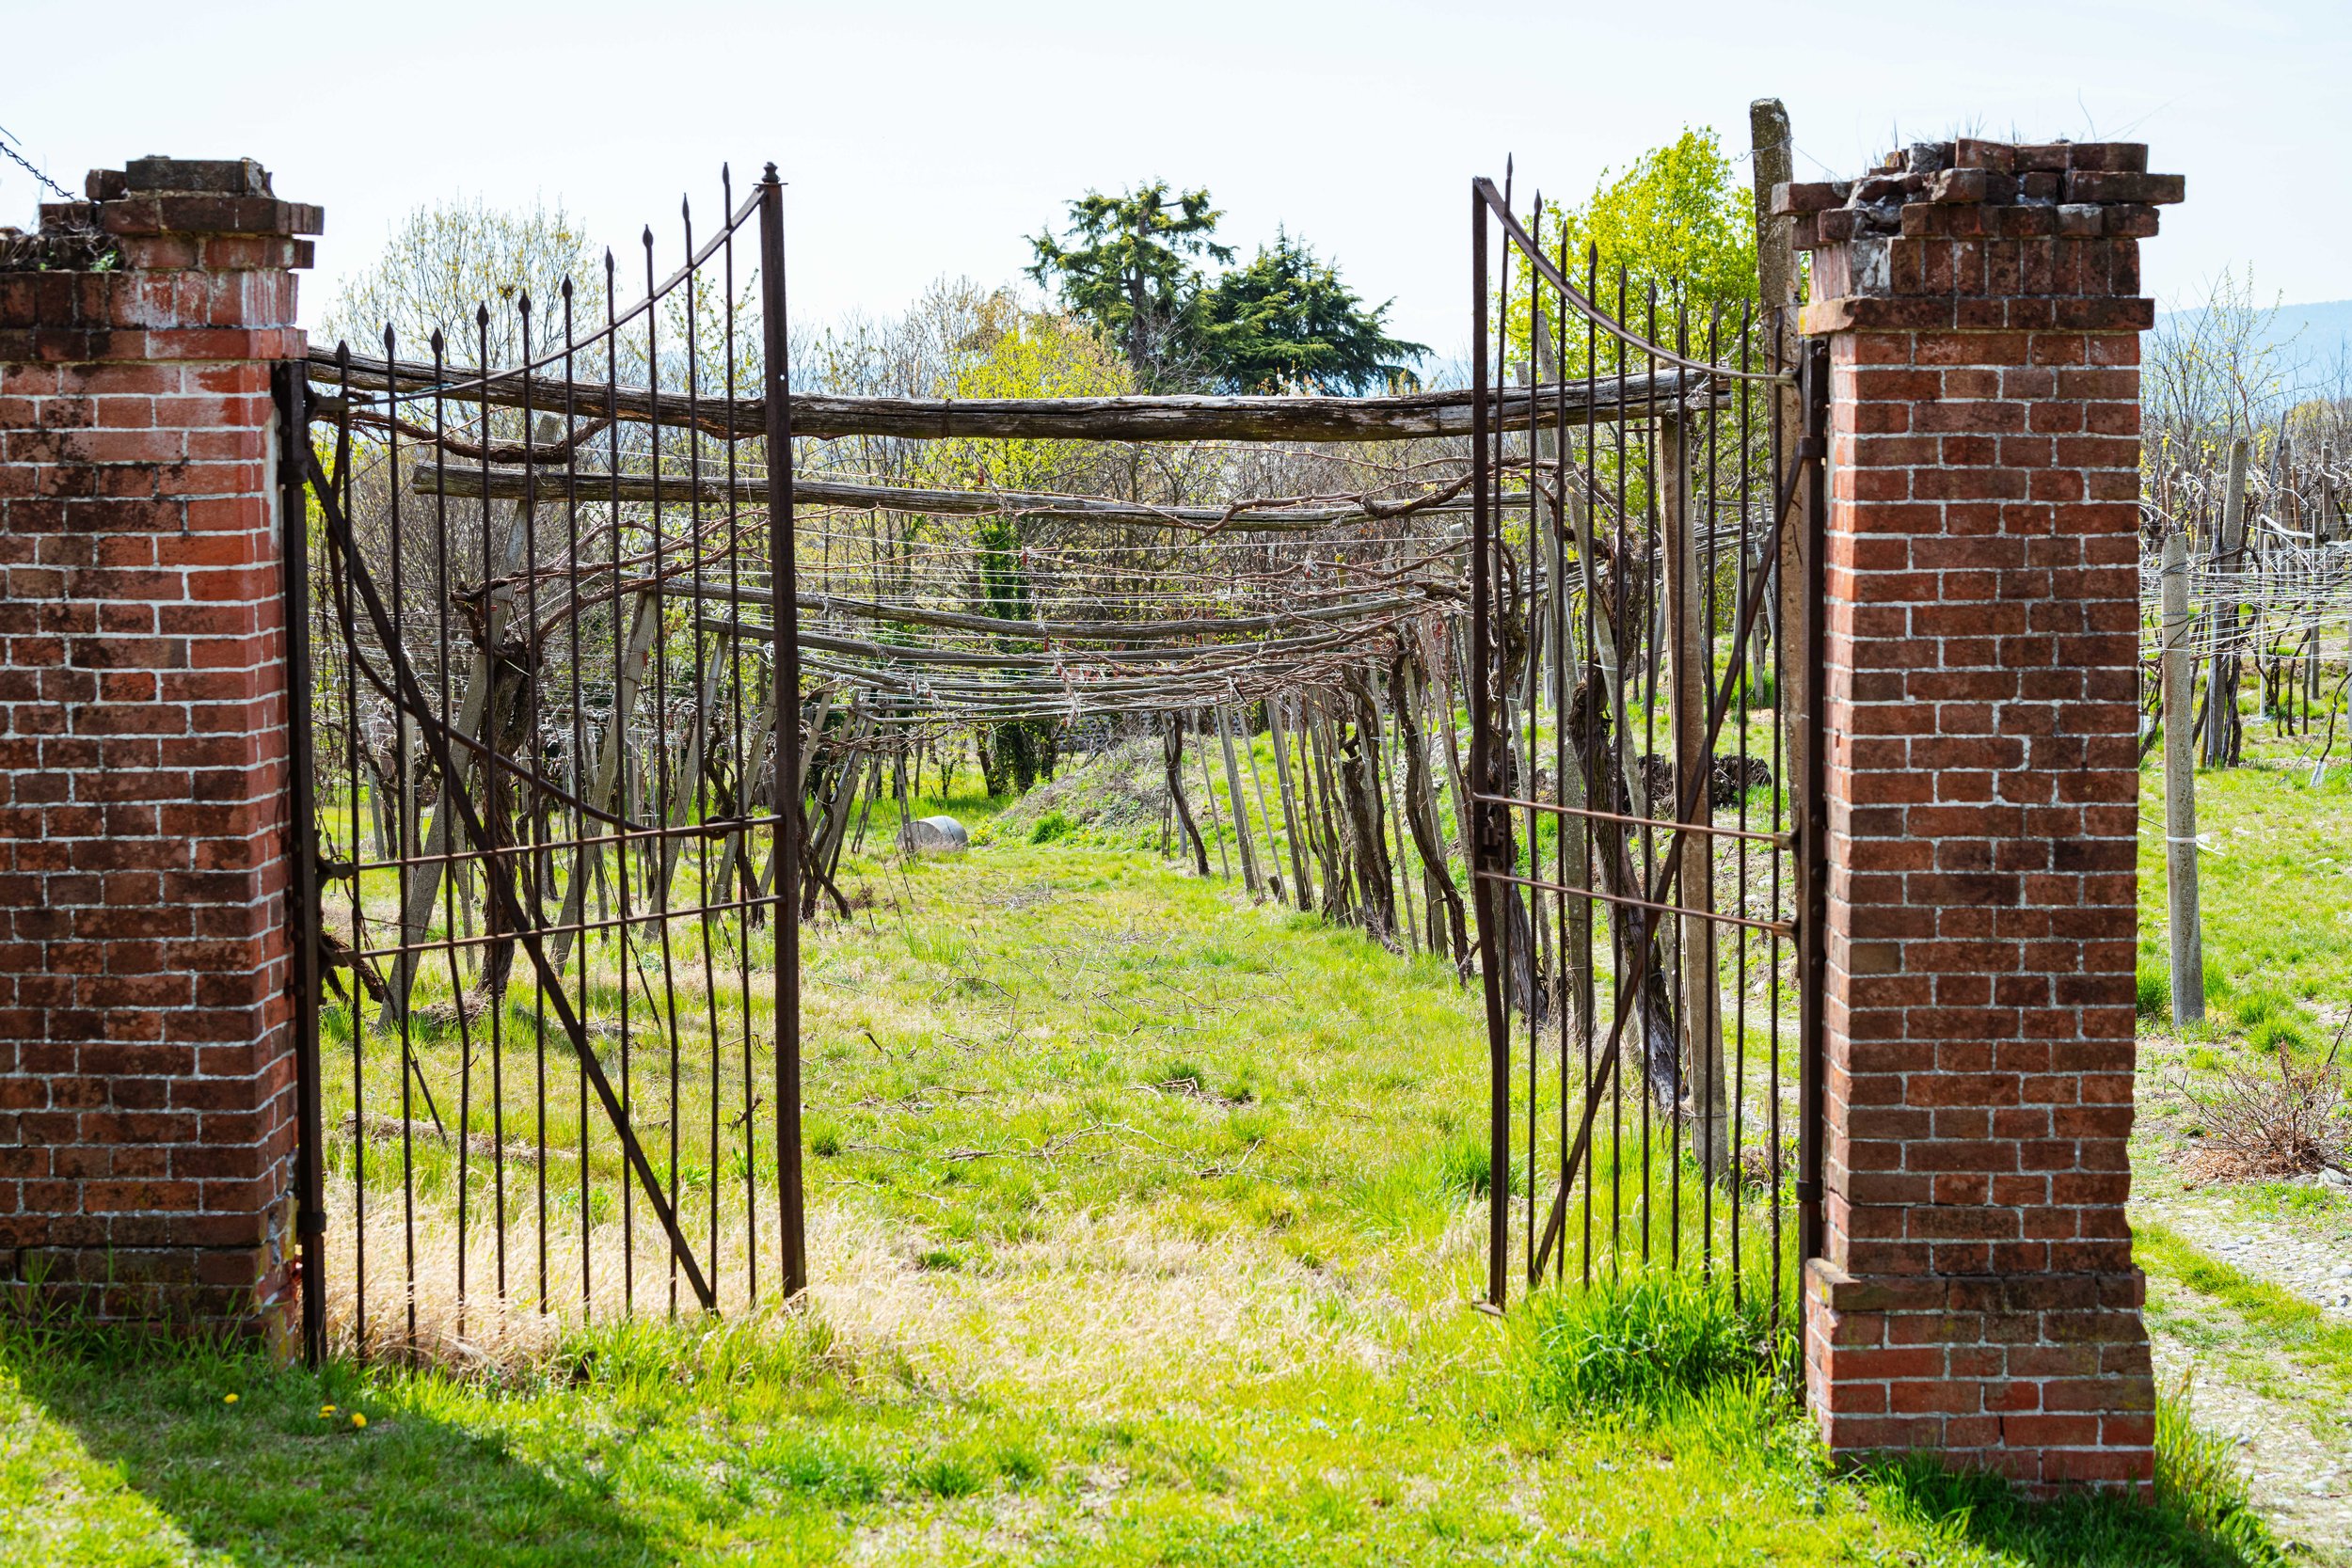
(326, 1410)
(229, 1399)
(357, 1420)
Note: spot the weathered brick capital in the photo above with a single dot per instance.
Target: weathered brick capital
(177, 260)
(1976, 1295)
(1979, 220)
(213, 214)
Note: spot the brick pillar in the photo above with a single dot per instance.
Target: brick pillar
(146, 1062)
(1978, 1296)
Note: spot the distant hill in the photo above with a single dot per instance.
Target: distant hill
(2314, 345)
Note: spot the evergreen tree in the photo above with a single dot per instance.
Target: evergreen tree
(1286, 321)
(1127, 269)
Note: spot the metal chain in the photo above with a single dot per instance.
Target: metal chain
(17, 158)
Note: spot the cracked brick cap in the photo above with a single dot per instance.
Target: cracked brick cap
(2019, 190)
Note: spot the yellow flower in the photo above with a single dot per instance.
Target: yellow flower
(357, 1420)
(326, 1410)
(229, 1399)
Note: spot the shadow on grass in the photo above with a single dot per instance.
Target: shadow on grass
(2177, 1530)
(1665, 1351)
(274, 1475)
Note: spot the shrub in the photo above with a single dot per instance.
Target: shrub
(2276, 1033)
(2260, 1128)
(1180, 1075)
(946, 1476)
(2254, 1009)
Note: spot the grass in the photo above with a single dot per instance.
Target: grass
(1145, 1227)
(1653, 1343)
(2276, 889)
(773, 1442)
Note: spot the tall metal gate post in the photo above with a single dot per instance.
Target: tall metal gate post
(1484, 896)
(302, 894)
(1813, 830)
(775, 394)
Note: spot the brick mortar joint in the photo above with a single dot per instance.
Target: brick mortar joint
(1842, 1290)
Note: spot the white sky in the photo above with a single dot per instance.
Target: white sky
(924, 138)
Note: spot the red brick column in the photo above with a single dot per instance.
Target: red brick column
(146, 1064)
(1978, 1296)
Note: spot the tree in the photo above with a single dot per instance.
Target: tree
(1675, 220)
(445, 261)
(1127, 268)
(1287, 320)
(2213, 372)
(1011, 355)
(1284, 321)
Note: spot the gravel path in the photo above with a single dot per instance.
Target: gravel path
(2309, 1253)
(2294, 1432)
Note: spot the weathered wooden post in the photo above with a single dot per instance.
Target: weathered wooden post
(2187, 930)
(1701, 1000)
(2221, 725)
(1241, 806)
(1773, 148)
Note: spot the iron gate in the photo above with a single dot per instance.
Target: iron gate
(1645, 636)
(548, 987)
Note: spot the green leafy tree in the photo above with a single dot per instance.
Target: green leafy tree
(1677, 220)
(1127, 267)
(1013, 355)
(1288, 321)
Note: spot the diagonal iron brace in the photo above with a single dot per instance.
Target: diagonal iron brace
(1810, 453)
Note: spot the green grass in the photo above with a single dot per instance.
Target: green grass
(2275, 894)
(772, 1443)
(1145, 1227)
(1652, 1343)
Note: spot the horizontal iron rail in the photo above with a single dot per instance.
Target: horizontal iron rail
(1118, 419)
(708, 827)
(1716, 916)
(578, 928)
(1588, 814)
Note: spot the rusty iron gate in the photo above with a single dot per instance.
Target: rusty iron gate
(546, 946)
(1645, 769)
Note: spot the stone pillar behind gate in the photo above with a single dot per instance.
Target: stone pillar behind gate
(147, 1123)
(1978, 1295)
